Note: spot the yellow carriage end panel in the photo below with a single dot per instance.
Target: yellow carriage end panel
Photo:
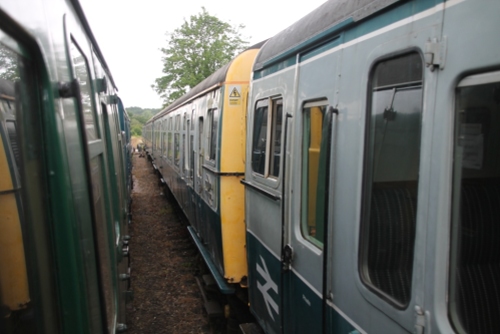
(232, 166)
(232, 157)
(14, 291)
(233, 229)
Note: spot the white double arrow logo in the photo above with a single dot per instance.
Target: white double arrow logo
(269, 284)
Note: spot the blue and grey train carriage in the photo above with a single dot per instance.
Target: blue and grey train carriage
(65, 184)
(372, 182)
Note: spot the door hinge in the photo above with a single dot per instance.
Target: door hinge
(422, 321)
(435, 53)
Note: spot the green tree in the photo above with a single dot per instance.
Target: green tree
(8, 64)
(195, 50)
(139, 117)
(137, 130)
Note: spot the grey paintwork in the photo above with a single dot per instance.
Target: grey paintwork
(340, 76)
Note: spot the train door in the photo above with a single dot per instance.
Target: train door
(304, 225)
(28, 282)
(264, 169)
(96, 171)
(307, 194)
(115, 195)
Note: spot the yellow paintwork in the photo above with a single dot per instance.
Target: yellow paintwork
(232, 152)
(14, 292)
(316, 118)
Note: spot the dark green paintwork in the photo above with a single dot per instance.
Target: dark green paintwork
(295, 316)
(207, 222)
(219, 279)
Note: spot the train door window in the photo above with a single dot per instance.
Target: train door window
(27, 282)
(266, 145)
(312, 132)
(164, 143)
(213, 119)
(187, 145)
(390, 180)
(191, 145)
(170, 140)
(177, 144)
(158, 135)
(275, 154)
(82, 74)
(154, 143)
(97, 178)
(201, 153)
(475, 253)
(259, 145)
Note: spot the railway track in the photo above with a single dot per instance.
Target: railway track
(164, 263)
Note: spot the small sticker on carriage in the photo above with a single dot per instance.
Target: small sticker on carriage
(264, 288)
(234, 94)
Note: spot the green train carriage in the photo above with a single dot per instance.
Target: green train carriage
(65, 189)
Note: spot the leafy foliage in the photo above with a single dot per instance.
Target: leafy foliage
(139, 117)
(195, 50)
(8, 64)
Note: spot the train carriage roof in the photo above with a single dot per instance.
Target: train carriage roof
(321, 21)
(218, 77)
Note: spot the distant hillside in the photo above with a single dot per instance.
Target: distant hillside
(139, 117)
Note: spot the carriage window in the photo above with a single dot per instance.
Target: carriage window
(185, 140)
(170, 151)
(177, 144)
(164, 144)
(266, 146)
(191, 145)
(259, 137)
(157, 135)
(176, 141)
(201, 153)
(312, 132)
(213, 117)
(390, 181)
(82, 74)
(277, 118)
(475, 253)
(177, 154)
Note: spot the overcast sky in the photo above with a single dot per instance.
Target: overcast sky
(130, 33)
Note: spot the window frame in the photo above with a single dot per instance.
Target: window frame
(368, 174)
(272, 104)
(213, 115)
(305, 182)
